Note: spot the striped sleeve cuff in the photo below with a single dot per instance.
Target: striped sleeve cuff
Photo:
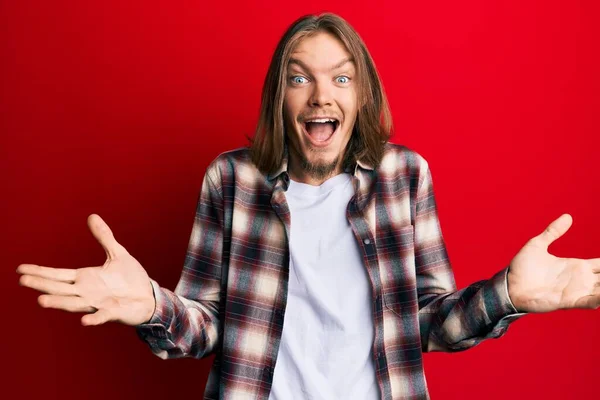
(500, 309)
(156, 328)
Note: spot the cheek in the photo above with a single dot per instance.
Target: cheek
(288, 115)
(287, 110)
(293, 101)
(349, 118)
(348, 103)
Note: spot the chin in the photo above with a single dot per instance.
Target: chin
(328, 163)
(320, 155)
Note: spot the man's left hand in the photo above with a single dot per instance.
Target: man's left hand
(540, 282)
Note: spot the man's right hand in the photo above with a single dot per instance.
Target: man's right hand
(119, 290)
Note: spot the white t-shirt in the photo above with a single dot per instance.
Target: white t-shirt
(328, 330)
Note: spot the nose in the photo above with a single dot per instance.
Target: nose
(321, 95)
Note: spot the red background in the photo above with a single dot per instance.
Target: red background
(117, 108)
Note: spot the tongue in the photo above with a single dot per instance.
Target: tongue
(320, 131)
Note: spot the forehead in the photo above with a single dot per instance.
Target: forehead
(320, 51)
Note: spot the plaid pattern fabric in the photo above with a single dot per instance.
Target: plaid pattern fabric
(231, 297)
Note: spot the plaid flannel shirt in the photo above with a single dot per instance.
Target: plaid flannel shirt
(231, 297)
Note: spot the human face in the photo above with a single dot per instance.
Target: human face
(320, 88)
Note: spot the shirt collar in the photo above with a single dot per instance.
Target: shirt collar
(283, 166)
(364, 165)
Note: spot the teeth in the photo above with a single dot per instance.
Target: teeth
(322, 120)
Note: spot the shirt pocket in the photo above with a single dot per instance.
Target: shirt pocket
(397, 263)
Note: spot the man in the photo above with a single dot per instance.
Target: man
(316, 267)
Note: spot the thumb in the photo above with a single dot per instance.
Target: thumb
(105, 237)
(556, 229)
(97, 318)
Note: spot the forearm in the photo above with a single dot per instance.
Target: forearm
(180, 327)
(460, 320)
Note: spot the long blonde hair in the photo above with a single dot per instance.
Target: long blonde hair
(373, 122)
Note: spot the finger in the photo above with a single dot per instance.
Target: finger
(555, 230)
(97, 318)
(47, 285)
(105, 237)
(56, 274)
(595, 264)
(592, 301)
(66, 303)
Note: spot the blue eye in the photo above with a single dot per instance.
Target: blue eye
(342, 79)
(297, 79)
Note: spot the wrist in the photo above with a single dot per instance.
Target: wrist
(149, 304)
(513, 292)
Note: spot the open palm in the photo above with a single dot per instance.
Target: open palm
(541, 282)
(119, 290)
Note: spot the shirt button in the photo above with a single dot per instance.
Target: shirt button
(367, 241)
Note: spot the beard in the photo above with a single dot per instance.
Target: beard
(320, 169)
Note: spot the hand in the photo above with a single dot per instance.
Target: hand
(540, 282)
(119, 290)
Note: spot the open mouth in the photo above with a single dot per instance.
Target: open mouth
(320, 131)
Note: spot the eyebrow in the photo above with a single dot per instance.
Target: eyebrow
(336, 66)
